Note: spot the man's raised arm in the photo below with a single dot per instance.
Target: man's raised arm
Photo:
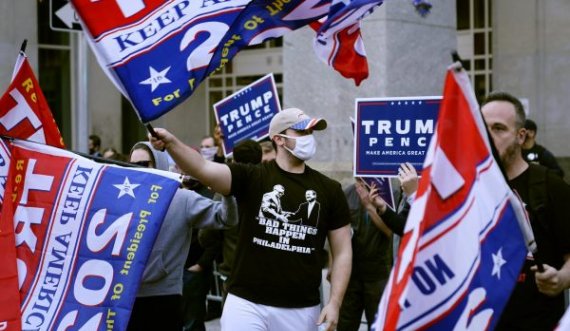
(215, 175)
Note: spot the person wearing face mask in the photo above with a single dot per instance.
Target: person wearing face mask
(158, 302)
(277, 268)
(211, 151)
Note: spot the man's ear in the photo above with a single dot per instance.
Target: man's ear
(279, 141)
(521, 135)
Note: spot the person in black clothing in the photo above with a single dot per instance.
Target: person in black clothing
(277, 269)
(95, 145)
(535, 153)
(537, 302)
(371, 261)
(396, 221)
(197, 274)
(225, 241)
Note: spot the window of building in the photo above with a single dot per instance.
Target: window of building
(54, 72)
(474, 40)
(248, 66)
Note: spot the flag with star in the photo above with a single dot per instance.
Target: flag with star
(83, 232)
(462, 248)
(156, 52)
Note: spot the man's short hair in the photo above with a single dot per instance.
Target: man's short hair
(520, 116)
(96, 140)
(247, 151)
(530, 125)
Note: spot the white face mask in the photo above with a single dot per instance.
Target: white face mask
(305, 147)
(208, 152)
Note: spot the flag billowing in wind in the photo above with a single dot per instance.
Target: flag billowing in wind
(83, 232)
(24, 112)
(344, 51)
(462, 249)
(9, 295)
(261, 20)
(339, 42)
(156, 51)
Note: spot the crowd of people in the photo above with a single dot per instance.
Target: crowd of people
(271, 223)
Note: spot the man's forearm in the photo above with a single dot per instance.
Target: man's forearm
(188, 159)
(341, 249)
(340, 275)
(215, 175)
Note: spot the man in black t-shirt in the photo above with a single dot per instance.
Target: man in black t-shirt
(537, 302)
(535, 153)
(277, 269)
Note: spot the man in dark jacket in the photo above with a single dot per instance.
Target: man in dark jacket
(535, 153)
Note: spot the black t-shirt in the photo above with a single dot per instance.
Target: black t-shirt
(284, 221)
(528, 309)
(371, 248)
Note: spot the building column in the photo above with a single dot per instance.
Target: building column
(407, 56)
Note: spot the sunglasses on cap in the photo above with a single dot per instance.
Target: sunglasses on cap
(143, 163)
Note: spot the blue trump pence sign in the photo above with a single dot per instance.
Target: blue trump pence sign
(391, 131)
(247, 113)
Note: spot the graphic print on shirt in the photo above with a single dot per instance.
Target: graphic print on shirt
(282, 226)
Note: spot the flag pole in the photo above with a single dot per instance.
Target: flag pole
(150, 130)
(24, 45)
(525, 227)
(153, 133)
(85, 155)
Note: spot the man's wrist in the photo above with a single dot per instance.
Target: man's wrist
(335, 303)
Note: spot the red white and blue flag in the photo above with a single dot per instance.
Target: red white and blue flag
(462, 248)
(24, 114)
(24, 111)
(343, 50)
(82, 232)
(272, 20)
(339, 42)
(9, 296)
(4, 168)
(156, 51)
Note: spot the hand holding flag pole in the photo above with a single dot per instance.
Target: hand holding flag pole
(153, 133)
(524, 225)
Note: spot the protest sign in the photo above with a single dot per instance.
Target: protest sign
(391, 131)
(247, 113)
